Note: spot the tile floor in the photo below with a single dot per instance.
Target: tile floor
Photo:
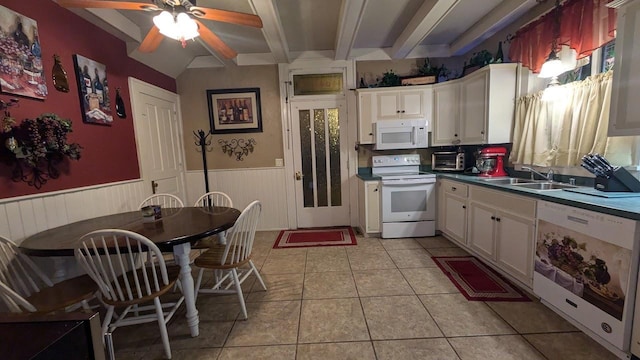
(382, 299)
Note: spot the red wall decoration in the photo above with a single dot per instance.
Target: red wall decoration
(109, 153)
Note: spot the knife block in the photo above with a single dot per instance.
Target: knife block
(619, 181)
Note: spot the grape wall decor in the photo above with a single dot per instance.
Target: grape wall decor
(238, 147)
(35, 147)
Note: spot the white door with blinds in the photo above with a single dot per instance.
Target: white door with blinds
(320, 161)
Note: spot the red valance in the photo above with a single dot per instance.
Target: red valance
(585, 25)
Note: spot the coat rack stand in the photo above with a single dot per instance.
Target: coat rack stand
(204, 145)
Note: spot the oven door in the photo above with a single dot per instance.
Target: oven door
(408, 200)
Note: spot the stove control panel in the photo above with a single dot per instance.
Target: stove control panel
(396, 160)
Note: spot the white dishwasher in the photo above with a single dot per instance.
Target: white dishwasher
(586, 268)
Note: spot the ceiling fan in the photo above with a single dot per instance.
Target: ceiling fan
(178, 19)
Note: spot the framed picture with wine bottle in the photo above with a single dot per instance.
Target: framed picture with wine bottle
(93, 90)
(234, 110)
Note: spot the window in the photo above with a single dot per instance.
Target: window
(318, 84)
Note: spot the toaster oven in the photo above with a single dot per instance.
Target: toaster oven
(447, 161)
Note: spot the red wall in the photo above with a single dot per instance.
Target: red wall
(109, 152)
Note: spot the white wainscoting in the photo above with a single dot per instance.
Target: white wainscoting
(245, 186)
(23, 216)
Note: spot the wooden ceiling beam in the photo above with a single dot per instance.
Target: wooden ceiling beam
(272, 29)
(499, 17)
(351, 13)
(428, 16)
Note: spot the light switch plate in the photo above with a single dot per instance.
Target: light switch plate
(280, 162)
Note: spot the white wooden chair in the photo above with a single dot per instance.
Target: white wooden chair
(164, 200)
(133, 276)
(214, 198)
(25, 288)
(233, 260)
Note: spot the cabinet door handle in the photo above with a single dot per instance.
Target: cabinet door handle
(402, 111)
(453, 188)
(397, 111)
(455, 135)
(498, 219)
(493, 218)
(375, 190)
(464, 206)
(370, 134)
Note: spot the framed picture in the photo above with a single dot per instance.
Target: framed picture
(234, 110)
(21, 70)
(93, 89)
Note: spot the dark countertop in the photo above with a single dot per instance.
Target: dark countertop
(624, 207)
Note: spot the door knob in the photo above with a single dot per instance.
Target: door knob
(299, 175)
(154, 186)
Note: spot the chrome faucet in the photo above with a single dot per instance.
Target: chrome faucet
(549, 175)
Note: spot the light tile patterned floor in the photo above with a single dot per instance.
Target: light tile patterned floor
(382, 299)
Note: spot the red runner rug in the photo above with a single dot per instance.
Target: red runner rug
(315, 237)
(476, 281)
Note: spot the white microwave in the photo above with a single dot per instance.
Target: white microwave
(401, 134)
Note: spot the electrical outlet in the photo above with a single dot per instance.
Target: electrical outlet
(280, 162)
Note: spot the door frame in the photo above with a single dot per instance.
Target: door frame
(136, 87)
(285, 73)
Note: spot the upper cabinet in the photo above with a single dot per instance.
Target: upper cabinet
(625, 107)
(400, 104)
(390, 104)
(477, 109)
(446, 104)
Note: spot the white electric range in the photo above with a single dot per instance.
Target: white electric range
(408, 198)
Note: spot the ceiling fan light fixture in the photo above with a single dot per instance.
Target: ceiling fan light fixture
(181, 28)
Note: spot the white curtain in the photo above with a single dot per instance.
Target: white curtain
(574, 123)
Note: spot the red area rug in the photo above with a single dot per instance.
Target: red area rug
(315, 237)
(476, 281)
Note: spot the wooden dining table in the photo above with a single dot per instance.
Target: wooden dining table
(174, 232)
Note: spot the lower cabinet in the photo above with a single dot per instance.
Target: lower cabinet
(454, 210)
(369, 206)
(497, 226)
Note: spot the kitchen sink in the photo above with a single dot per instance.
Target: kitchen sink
(507, 181)
(545, 186)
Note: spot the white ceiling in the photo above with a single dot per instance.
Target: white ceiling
(338, 29)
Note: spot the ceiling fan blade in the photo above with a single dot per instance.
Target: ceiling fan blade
(215, 42)
(151, 41)
(226, 16)
(99, 4)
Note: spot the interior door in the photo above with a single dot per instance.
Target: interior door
(320, 161)
(158, 138)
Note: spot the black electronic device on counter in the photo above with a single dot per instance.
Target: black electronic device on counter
(609, 178)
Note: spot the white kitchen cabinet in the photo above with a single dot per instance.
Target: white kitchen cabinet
(501, 229)
(444, 130)
(365, 118)
(625, 107)
(391, 104)
(402, 104)
(477, 109)
(369, 206)
(487, 105)
(454, 210)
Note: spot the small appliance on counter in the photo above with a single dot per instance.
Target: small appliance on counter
(448, 161)
(609, 178)
(490, 161)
